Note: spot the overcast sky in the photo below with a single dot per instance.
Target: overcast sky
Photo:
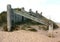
(50, 8)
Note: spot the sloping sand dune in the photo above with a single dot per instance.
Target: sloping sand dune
(28, 36)
(23, 36)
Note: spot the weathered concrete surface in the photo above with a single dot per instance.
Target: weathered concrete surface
(14, 16)
(9, 12)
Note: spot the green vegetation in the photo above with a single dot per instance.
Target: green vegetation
(28, 28)
(34, 30)
(3, 18)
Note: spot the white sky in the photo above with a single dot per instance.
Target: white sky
(50, 8)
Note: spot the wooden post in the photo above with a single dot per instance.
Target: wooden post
(41, 13)
(36, 12)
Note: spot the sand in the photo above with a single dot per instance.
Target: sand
(23, 36)
(28, 36)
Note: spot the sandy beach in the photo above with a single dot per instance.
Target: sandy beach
(29, 36)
